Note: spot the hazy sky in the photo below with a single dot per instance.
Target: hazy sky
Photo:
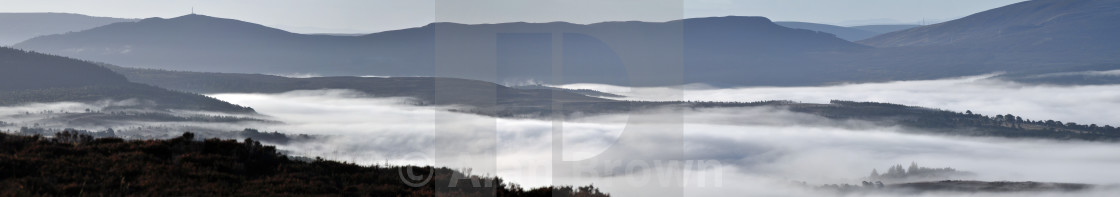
(364, 16)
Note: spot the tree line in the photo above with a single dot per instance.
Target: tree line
(71, 164)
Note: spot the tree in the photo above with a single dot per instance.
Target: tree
(913, 167)
(874, 173)
(188, 136)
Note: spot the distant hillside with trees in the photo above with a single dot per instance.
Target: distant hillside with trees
(30, 77)
(915, 173)
(947, 187)
(496, 100)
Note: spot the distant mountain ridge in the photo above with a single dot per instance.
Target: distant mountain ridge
(1027, 37)
(1032, 37)
(846, 33)
(170, 42)
(882, 29)
(203, 43)
(22, 26)
(1034, 23)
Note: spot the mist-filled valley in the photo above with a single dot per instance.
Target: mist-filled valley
(560, 98)
(985, 94)
(758, 150)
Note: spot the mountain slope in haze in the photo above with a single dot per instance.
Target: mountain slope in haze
(192, 41)
(1059, 36)
(1031, 37)
(882, 29)
(853, 33)
(30, 77)
(846, 33)
(1029, 25)
(718, 50)
(22, 26)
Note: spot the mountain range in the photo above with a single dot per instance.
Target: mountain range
(22, 26)
(203, 43)
(1032, 37)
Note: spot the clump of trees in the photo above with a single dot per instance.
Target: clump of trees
(273, 137)
(945, 186)
(897, 173)
(71, 164)
(957, 123)
(65, 132)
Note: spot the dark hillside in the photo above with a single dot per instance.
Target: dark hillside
(77, 165)
(30, 77)
(30, 70)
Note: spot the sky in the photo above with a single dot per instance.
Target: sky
(367, 16)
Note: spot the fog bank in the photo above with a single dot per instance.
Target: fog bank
(759, 150)
(981, 94)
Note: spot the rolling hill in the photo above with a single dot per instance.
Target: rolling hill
(718, 50)
(846, 33)
(1026, 37)
(22, 26)
(480, 96)
(882, 29)
(1030, 25)
(30, 77)
(193, 41)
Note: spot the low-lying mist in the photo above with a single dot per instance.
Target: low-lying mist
(759, 150)
(128, 119)
(983, 94)
(763, 151)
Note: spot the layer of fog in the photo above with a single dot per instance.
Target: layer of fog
(981, 94)
(1083, 73)
(760, 150)
(55, 117)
